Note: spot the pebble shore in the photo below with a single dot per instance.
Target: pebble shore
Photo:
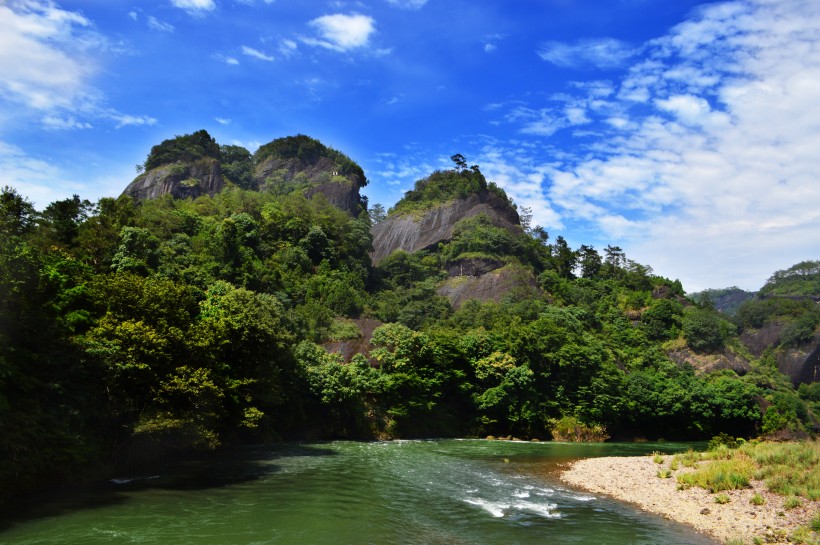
(635, 480)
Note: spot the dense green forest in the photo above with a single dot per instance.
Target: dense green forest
(196, 323)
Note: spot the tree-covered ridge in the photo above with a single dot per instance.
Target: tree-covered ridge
(445, 185)
(186, 148)
(308, 150)
(800, 280)
(725, 300)
(195, 164)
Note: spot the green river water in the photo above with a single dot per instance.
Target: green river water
(385, 493)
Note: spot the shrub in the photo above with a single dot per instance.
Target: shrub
(690, 458)
(793, 502)
(570, 428)
(723, 439)
(657, 457)
(720, 475)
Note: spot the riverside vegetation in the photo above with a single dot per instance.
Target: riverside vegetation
(129, 325)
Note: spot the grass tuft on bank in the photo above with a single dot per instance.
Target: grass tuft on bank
(788, 469)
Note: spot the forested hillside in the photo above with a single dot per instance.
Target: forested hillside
(130, 326)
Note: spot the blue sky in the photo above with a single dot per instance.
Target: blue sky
(686, 132)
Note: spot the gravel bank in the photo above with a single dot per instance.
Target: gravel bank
(635, 480)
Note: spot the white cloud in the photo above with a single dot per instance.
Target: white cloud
(194, 6)
(47, 61)
(43, 56)
(287, 47)
(601, 53)
(489, 48)
(251, 52)
(64, 123)
(125, 120)
(161, 26)
(226, 59)
(222, 120)
(705, 164)
(408, 4)
(341, 32)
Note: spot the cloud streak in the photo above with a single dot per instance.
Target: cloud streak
(255, 53)
(599, 53)
(195, 7)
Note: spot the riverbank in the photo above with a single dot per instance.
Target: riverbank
(635, 480)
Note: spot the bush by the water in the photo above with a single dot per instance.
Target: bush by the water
(570, 428)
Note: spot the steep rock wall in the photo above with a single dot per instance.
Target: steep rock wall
(801, 364)
(409, 233)
(490, 286)
(203, 177)
(321, 176)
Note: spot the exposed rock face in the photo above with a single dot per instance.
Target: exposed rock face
(490, 286)
(179, 180)
(801, 364)
(360, 345)
(320, 176)
(410, 233)
(472, 267)
(706, 363)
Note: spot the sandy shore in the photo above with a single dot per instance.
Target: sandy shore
(635, 480)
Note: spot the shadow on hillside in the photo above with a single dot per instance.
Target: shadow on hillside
(203, 472)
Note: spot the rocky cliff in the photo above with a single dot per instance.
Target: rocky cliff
(800, 363)
(322, 175)
(491, 285)
(180, 180)
(413, 232)
(189, 166)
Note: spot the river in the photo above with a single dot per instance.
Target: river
(381, 493)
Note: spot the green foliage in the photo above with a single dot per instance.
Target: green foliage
(308, 150)
(723, 440)
(662, 320)
(704, 329)
(237, 166)
(720, 475)
(194, 323)
(801, 330)
(440, 187)
(17, 214)
(569, 428)
(722, 498)
(802, 279)
(186, 148)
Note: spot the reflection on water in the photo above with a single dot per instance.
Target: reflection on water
(410, 492)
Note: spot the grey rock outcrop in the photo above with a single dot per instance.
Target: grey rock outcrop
(179, 180)
(411, 234)
(490, 286)
(319, 177)
(801, 364)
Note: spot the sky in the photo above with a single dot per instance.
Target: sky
(685, 132)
